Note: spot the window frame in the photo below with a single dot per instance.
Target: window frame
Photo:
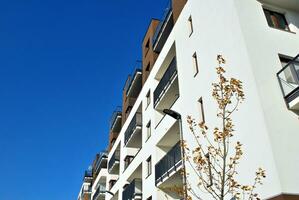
(279, 13)
(201, 109)
(190, 25)
(195, 64)
(148, 98)
(148, 130)
(149, 166)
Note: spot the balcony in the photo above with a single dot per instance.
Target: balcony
(169, 165)
(115, 121)
(100, 163)
(133, 136)
(134, 84)
(113, 165)
(100, 193)
(168, 84)
(288, 78)
(164, 28)
(133, 190)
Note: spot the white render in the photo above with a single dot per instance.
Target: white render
(238, 30)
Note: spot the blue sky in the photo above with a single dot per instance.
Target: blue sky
(63, 64)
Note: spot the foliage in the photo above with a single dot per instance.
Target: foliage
(215, 159)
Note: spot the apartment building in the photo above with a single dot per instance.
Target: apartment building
(260, 40)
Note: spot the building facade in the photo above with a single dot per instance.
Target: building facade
(260, 40)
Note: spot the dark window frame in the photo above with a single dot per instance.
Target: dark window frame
(149, 166)
(269, 13)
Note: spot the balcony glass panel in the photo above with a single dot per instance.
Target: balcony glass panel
(114, 160)
(166, 80)
(164, 28)
(169, 162)
(100, 191)
(136, 122)
(101, 162)
(115, 116)
(133, 190)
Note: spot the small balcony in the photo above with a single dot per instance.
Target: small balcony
(133, 190)
(169, 165)
(134, 84)
(288, 78)
(167, 87)
(133, 136)
(115, 121)
(164, 28)
(100, 193)
(113, 164)
(100, 163)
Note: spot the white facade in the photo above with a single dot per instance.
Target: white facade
(238, 30)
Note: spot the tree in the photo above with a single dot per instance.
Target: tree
(215, 159)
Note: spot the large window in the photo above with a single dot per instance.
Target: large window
(276, 20)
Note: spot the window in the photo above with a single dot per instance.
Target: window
(276, 20)
(201, 111)
(147, 46)
(190, 23)
(148, 98)
(128, 161)
(195, 64)
(149, 166)
(147, 69)
(148, 130)
(290, 73)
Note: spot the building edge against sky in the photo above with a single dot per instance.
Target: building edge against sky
(260, 41)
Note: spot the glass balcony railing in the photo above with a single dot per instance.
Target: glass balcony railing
(288, 78)
(136, 122)
(100, 191)
(101, 162)
(168, 163)
(114, 160)
(133, 81)
(163, 29)
(116, 114)
(133, 190)
(165, 81)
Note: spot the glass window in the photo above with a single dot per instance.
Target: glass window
(148, 130)
(149, 166)
(276, 20)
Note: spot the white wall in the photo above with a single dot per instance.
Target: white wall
(238, 30)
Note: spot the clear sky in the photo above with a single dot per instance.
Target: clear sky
(63, 64)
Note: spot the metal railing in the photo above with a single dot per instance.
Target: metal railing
(168, 163)
(101, 190)
(115, 114)
(132, 190)
(162, 22)
(165, 81)
(136, 121)
(113, 159)
(288, 78)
